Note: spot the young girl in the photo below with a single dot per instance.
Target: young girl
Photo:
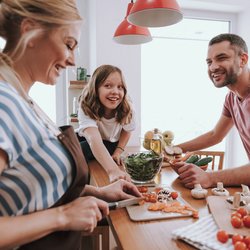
(106, 119)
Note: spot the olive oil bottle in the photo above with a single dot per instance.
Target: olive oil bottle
(156, 144)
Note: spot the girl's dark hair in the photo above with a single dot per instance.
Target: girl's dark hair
(90, 102)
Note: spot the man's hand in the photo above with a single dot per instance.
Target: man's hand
(190, 174)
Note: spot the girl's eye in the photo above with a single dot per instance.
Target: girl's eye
(120, 87)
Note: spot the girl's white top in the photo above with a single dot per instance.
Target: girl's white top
(109, 129)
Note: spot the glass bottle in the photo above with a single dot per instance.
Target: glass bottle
(74, 110)
(156, 144)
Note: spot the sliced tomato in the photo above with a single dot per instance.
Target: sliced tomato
(158, 189)
(142, 189)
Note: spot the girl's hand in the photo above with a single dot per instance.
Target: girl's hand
(119, 190)
(117, 158)
(116, 174)
(82, 214)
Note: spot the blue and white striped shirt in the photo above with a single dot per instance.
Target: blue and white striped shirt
(39, 168)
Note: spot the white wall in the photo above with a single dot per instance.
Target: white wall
(97, 47)
(103, 17)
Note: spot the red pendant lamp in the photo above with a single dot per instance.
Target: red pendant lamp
(155, 13)
(127, 33)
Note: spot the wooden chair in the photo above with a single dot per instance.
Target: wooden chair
(218, 158)
(97, 240)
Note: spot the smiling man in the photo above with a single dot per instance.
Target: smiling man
(227, 60)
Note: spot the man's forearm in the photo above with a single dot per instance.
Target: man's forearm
(233, 176)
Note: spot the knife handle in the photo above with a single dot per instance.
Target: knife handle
(112, 205)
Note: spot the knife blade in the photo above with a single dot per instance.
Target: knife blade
(124, 203)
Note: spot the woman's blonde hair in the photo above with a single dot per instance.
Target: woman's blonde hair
(90, 102)
(47, 14)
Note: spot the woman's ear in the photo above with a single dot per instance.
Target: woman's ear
(27, 25)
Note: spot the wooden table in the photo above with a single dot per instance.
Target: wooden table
(150, 235)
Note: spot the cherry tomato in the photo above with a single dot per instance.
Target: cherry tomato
(142, 189)
(236, 222)
(236, 238)
(239, 245)
(242, 211)
(222, 236)
(235, 213)
(246, 221)
(247, 240)
(158, 189)
(174, 195)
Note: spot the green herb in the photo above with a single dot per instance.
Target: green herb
(143, 166)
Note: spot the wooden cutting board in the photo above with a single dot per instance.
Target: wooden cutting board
(221, 211)
(141, 212)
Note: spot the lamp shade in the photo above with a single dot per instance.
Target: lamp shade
(155, 13)
(127, 33)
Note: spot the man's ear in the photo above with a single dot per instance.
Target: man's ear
(244, 59)
(27, 25)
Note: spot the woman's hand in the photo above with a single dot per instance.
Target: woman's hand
(119, 190)
(116, 174)
(82, 214)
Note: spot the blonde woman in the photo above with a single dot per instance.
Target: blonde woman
(106, 119)
(45, 199)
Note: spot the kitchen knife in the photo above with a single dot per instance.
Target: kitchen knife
(124, 203)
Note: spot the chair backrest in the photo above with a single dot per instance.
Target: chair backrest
(218, 158)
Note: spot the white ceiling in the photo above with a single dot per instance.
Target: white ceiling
(216, 5)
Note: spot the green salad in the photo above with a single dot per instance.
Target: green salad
(143, 166)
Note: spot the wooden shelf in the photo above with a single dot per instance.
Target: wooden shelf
(77, 84)
(73, 119)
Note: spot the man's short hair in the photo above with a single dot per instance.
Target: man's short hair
(236, 41)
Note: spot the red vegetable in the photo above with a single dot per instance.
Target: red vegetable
(242, 211)
(174, 195)
(246, 221)
(240, 246)
(236, 222)
(236, 238)
(222, 236)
